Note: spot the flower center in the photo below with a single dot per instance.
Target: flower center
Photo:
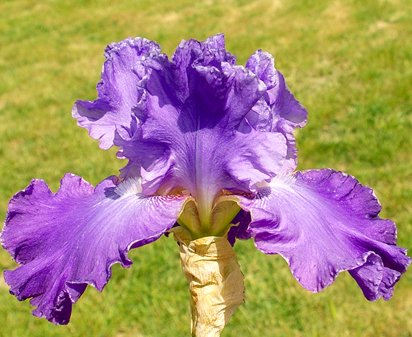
(202, 220)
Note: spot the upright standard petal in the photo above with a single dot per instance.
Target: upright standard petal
(323, 222)
(118, 91)
(188, 123)
(278, 110)
(69, 239)
(192, 109)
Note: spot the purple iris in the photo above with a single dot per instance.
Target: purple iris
(210, 147)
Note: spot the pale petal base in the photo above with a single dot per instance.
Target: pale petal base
(215, 281)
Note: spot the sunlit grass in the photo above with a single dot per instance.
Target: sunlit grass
(348, 62)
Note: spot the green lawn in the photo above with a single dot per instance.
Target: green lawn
(348, 62)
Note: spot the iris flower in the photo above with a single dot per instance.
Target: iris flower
(211, 158)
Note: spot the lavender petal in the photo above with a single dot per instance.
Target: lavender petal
(191, 112)
(324, 222)
(70, 239)
(118, 91)
(278, 110)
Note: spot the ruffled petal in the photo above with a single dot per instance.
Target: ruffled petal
(67, 240)
(192, 109)
(281, 101)
(118, 91)
(324, 222)
(177, 120)
(374, 279)
(278, 110)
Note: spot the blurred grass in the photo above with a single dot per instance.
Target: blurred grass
(348, 62)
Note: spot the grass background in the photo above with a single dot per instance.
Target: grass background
(349, 62)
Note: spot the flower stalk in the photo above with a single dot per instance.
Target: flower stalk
(215, 281)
